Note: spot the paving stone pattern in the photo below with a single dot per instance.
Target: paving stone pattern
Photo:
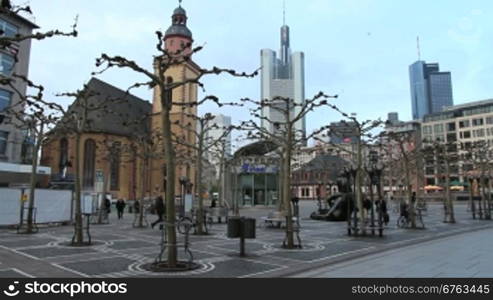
(122, 251)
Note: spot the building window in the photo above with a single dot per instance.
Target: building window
(4, 137)
(451, 127)
(438, 128)
(477, 122)
(489, 120)
(5, 99)
(115, 167)
(63, 162)
(465, 135)
(427, 130)
(89, 164)
(464, 124)
(8, 29)
(478, 133)
(7, 63)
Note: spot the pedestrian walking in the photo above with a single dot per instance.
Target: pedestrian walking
(382, 206)
(107, 204)
(120, 208)
(160, 209)
(137, 207)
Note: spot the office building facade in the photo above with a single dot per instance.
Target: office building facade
(462, 125)
(11, 137)
(431, 90)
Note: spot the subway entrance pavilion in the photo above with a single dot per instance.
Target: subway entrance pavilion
(252, 176)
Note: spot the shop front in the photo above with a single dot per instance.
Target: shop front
(253, 176)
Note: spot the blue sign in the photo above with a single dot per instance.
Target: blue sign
(247, 168)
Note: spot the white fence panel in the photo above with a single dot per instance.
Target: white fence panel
(10, 206)
(53, 206)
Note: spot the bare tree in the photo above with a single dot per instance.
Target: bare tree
(479, 154)
(286, 137)
(443, 155)
(404, 151)
(37, 117)
(32, 112)
(77, 121)
(8, 41)
(365, 137)
(165, 85)
(204, 143)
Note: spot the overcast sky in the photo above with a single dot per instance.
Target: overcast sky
(358, 49)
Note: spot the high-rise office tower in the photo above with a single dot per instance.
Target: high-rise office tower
(283, 77)
(431, 90)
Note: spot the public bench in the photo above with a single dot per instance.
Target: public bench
(276, 219)
(217, 213)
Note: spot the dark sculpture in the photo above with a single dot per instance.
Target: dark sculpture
(339, 205)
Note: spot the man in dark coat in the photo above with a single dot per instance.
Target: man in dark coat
(120, 207)
(160, 209)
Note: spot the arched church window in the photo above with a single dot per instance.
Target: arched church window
(89, 164)
(115, 166)
(63, 162)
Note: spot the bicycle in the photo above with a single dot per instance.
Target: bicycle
(405, 222)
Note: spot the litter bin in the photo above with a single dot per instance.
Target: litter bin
(234, 227)
(249, 228)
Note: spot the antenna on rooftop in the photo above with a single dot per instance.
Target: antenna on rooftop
(284, 12)
(419, 50)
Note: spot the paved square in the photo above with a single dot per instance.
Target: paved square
(122, 250)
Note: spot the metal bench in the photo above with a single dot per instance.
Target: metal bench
(276, 219)
(219, 213)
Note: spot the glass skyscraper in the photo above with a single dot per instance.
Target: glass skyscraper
(431, 90)
(282, 76)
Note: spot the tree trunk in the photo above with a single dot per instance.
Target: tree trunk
(220, 183)
(471, 199)
(143, 176)
(412, 213)
(359, 183)
(449, 200)
(488, 198)
(286, 190)
(79, 237)
(170, 182)
(200, 212)
(32, 191)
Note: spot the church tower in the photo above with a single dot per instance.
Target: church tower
(178, 43)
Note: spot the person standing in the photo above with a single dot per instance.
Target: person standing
(160, 208)
(120, 207)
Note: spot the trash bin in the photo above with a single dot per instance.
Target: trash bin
(234, 227)
(249, 228)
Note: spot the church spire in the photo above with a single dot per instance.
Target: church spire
(178, 35)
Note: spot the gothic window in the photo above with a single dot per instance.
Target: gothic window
(115, 166)
(63, 155)
(89, 164)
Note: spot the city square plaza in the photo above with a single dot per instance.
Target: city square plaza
(120, 250)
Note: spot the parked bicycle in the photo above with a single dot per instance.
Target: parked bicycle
(404, 220)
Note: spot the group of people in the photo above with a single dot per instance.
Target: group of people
(381, 206)
(120, 207)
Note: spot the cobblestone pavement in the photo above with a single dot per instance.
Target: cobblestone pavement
(121, 251)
